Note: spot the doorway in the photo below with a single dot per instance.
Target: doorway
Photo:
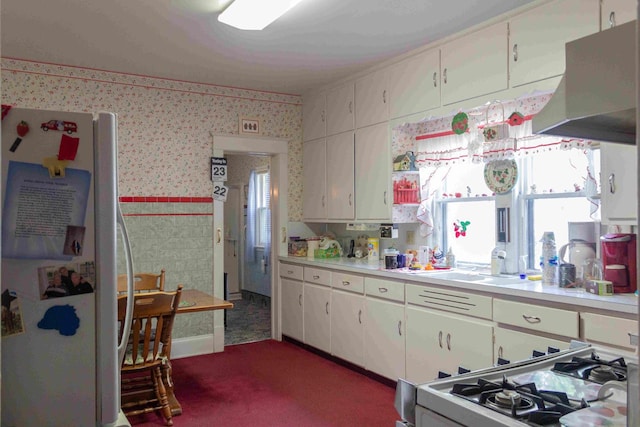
(276, 150)
(247, 258)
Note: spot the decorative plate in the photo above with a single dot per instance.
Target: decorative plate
(501, 175)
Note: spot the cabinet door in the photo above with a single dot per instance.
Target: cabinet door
(313, 116)
(619, 182)
(340, 109)
(317, 320)
(384, 338)
(340, 176)
(442, 342)
(616, 12)
(347, 326)
(314, 204)
(373, 173)
(372, 99)
(538, 37)
(292, 304)
(414, 84)
(475, 64)
(515, 346)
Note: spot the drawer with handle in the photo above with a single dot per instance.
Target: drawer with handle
(609, 330)
(347, 282)
(317, 276)
(387, 289)
(543, 319)
(291, 271)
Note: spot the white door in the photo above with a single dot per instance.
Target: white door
(233, 219)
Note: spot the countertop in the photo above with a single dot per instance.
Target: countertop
(505, 285)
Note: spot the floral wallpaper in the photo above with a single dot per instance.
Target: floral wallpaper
(164, 126)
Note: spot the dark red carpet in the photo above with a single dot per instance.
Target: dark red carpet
(271, 383)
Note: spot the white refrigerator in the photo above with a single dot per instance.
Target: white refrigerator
(60, 219)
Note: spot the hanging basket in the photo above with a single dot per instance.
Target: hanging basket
(498, 131)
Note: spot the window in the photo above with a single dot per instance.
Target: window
(263, 212)
(551, 194)
(465, 213)
(556, 195)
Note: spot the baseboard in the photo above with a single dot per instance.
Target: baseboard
(192, 346)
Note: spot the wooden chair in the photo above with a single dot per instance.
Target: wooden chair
(147, 352)
(142, 282)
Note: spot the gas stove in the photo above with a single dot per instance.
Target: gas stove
(534, 392)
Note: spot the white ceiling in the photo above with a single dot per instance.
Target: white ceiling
(315, 43)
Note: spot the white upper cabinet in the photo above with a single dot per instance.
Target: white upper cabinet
(314, 116)
(373, 173)
(314, 200)
(475, 64)
(538, 37)
(619, 184)
(372, 98)
(414, 84)
(616, 12)
(340, 109)
(340, 176)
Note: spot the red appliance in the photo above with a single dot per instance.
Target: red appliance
(619, 261)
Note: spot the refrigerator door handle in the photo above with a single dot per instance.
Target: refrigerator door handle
(122, 345)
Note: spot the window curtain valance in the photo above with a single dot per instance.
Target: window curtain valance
(436, 144)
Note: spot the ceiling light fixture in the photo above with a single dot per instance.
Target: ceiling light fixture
(255, 14)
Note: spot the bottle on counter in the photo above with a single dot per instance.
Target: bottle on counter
(451, 258)
(549, 259)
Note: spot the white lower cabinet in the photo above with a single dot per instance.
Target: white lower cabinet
(317, 320)
(514, 345)
(347, 326)
(292, 306)
(384, 338)
(438, 341)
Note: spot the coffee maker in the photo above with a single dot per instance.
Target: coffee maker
(618, 253)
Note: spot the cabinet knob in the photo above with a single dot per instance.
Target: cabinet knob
(449, 342)
(346, 283)
(315, 277)
(350, 106)
(435, 79)
(284, 235)
(323, 201)
(300, 300)
(400, 327)
(360, 316)
(384, 96)
(440, 339)
(382, 290)
(444, 76)
(515, 52)
(500, 352)
(350, 196)
(326, 307)
(612, 19)
(322, 116)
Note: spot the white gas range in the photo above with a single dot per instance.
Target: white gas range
(572, 387)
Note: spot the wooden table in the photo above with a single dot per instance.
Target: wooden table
(191, 301)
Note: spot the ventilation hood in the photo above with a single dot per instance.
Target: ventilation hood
(596, 98)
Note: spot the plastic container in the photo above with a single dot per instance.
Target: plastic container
(373, 247)
(312, 245)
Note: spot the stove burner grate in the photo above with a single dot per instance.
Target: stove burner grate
(594, 368)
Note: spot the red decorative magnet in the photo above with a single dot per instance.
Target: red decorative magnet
(68, 148)
(61, 125)
(22, 129)
(5, 110)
